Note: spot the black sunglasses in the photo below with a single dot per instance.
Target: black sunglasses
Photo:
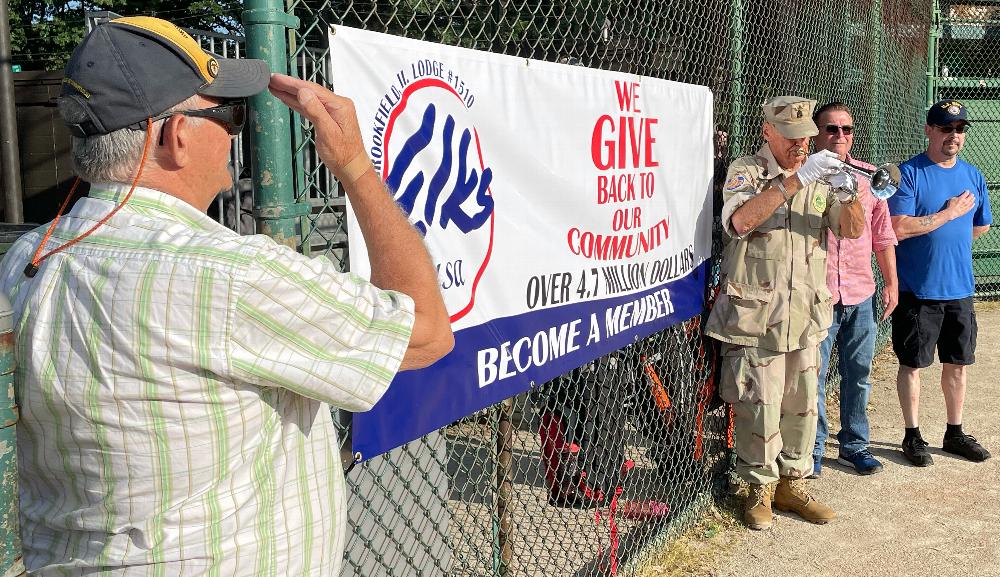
(948, 128)
(832, 129)
(232, 115)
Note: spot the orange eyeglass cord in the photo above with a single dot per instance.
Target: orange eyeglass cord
(32, 268)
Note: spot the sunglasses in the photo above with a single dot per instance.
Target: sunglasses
(832, 129)
(232, 115)
(948, 128)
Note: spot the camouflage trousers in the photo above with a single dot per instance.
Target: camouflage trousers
(774, 406)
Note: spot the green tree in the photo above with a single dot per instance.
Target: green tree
(44, 32)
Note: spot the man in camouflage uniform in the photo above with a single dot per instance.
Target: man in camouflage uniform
(774, 307)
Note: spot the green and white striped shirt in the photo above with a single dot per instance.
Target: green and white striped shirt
(175, 381)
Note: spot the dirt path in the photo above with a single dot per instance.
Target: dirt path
(939, 521)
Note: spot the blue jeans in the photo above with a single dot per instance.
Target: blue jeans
(854, 330)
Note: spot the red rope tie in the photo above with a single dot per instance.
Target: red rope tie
(613, 524)
(730, 443)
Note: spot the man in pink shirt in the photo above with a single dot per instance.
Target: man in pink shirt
(849, 277)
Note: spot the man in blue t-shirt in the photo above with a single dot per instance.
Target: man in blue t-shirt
(941, 206)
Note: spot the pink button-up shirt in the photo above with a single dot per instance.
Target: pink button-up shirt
(849, 261)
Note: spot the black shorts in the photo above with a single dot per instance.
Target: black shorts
(919, 325)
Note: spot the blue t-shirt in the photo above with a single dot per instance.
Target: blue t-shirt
(938, 265)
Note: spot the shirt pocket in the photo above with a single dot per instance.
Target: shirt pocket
(748, 307)
(821, 315)
(815, 241)
(777, 220)
(768, 243)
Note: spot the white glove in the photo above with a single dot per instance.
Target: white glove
(819, 166)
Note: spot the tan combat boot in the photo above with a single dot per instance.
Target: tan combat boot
(757, 507)
(792, 496)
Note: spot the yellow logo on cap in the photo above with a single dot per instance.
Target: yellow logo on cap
(177, 37)
(213, 67)
(76, 86)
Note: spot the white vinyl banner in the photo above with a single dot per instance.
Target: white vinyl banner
(567, 211)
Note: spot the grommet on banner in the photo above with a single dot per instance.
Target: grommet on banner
(357, 459)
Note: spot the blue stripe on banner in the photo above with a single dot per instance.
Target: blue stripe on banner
(499, 359)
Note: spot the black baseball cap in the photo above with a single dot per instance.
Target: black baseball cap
(945, 112)
(130, 69)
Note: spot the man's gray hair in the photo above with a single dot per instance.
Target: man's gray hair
(113, 157)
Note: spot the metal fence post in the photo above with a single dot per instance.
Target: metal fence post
(932, 55)
(736, 49)
(298, 70)
(505, 487)
(12, 559)
(878, 126)
(9, 151)
(275, 208)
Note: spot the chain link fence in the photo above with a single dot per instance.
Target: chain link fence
(965, 65)
(589, 473)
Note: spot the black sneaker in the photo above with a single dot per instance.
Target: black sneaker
(915, 450)
(966, 446)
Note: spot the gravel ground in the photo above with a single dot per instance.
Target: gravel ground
(938, 521)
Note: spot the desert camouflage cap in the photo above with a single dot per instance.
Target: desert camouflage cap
(791, 115)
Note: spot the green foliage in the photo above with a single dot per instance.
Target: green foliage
(44, 32)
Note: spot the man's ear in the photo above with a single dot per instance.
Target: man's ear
(174, 149)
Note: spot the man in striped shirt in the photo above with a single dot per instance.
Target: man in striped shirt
(175, 379)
